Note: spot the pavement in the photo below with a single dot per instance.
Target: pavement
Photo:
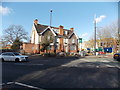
(62, 72)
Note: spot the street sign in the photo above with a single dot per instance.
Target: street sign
(80, 40)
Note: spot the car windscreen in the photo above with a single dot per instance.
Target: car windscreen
(17, 54)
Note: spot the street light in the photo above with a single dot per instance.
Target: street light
(55, 36)
(50, 17)
(95, 34)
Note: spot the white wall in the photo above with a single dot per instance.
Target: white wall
(34, 32)
(36, 37)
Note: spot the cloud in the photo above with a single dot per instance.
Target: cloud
(5, 10)
(99, 19)
(84, 35)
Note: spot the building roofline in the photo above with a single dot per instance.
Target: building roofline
(47, 29)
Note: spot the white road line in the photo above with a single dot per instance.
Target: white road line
(29, 64)
(6, 83)
(21, 84)
(2, 84)
(29, 86)
(9, 82)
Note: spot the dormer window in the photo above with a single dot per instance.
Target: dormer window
(65, 32)
(56, 30)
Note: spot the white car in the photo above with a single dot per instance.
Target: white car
(13, 56)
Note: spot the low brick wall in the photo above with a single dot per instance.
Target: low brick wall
(28, 47)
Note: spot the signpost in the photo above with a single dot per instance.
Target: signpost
(80, 41)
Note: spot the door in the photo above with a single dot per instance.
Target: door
(11, 57)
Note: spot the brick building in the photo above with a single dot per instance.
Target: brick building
(63, 39)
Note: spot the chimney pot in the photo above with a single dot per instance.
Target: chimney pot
(36, 21)
(72, 29)
(61, 29)
(61, 26)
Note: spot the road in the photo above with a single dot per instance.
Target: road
(60, 72)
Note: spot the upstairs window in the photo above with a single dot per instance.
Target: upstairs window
(65, 41)
(48, 37)
(56, 30)
(73, 41)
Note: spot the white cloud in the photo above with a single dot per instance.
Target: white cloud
(99, 19)
(84, 35)
(5, 10)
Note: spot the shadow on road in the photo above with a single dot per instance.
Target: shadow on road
(53, 75)
(13, 70)
(73, 77)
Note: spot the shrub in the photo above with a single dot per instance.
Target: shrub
(49, 54)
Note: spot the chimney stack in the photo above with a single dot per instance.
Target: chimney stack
(72, 29)
(35, 21)
(61, 30)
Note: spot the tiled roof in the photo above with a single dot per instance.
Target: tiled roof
(40, 28)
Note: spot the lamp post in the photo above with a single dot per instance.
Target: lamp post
(95, 34)
(50, 17)
(50, 26)
(119, 36)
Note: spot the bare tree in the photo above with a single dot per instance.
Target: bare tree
(109, 35)
(14, 32)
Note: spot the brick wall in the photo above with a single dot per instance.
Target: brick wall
(28, 47)
(31, 48)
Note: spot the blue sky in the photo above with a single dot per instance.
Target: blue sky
(79, 15)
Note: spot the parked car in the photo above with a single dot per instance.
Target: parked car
(61, 54)
(117, 56)
(13, 56)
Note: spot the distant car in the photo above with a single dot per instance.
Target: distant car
(13, 56)
(101, 53)
(117, 56)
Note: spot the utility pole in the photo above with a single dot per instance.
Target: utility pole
(50, 26)
(118, 37)
(95, 34)
(50, 17)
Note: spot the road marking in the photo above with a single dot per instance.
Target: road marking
(6, 83)
(29, 64)
(21, 84)
(97, 66)
(2, 84)
(9, 82)
(29, 86)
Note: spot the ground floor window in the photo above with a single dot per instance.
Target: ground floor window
(50, 47)
(57, 47)
(72, 47)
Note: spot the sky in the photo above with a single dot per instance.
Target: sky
(79, 15)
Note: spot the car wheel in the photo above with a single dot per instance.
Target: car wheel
(118, 60)
(3, 60)
(17, 60)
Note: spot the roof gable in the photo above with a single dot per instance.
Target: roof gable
(48, 28)
(72, 35)
(40, 28)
